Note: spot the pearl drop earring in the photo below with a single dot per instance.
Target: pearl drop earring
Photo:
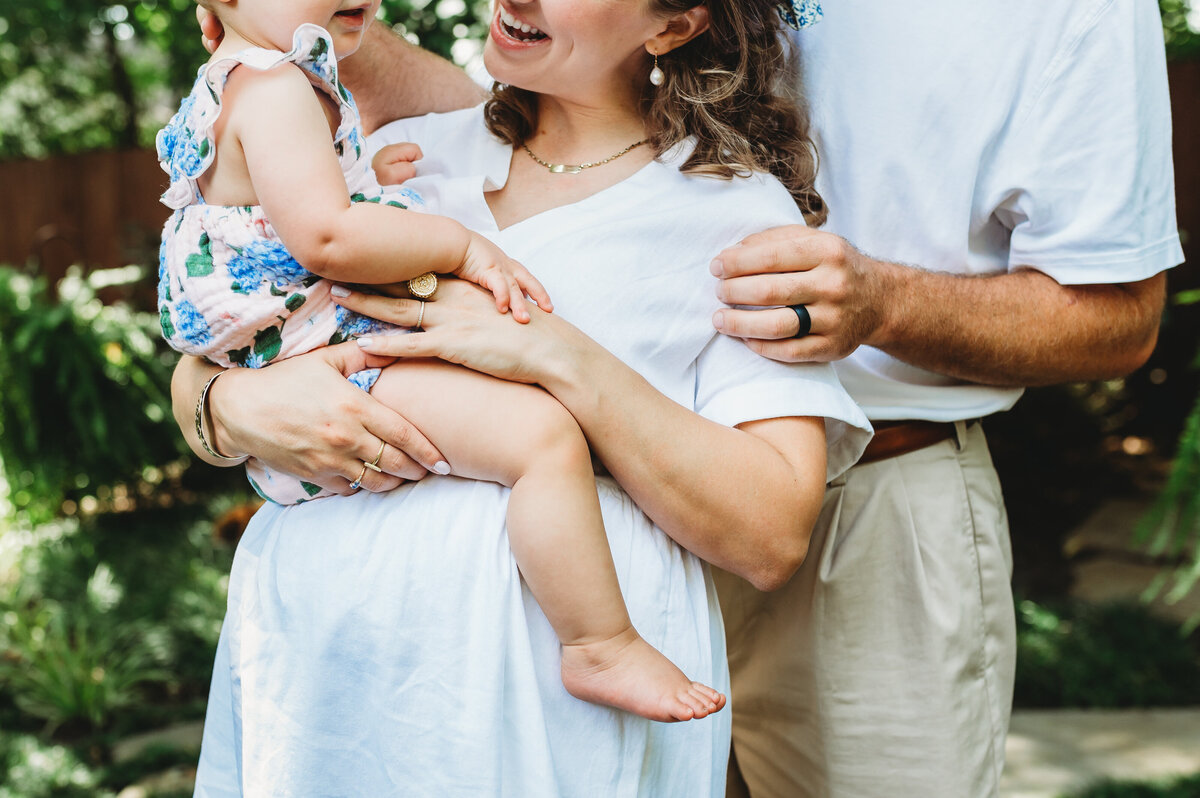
(656, 75)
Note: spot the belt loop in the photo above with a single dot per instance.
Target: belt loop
(960, 434)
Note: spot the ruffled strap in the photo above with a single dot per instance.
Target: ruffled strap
(186, 146)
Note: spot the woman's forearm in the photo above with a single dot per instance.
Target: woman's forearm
(188, 381)
(744, 499)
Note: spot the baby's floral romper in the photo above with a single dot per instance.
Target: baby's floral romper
(228, 289)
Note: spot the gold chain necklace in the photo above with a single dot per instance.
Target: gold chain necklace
(574, 169)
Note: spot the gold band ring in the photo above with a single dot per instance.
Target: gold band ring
(356, 484)
(374, 464)
(420, 316)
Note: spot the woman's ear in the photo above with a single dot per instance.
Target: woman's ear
(680, 30)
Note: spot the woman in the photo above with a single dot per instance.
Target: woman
(383, 643)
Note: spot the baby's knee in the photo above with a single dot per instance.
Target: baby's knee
(554, 437)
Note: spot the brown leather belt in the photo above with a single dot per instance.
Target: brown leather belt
(894, 438)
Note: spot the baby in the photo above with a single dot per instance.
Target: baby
(274, 201)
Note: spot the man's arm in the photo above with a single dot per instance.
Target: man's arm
(1014, 329)
(392, 79)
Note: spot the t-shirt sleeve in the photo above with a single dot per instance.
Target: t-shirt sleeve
(1089, 183)
(734, 385)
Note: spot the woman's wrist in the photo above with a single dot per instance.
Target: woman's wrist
(222, 438)
(572, 368)
(205, 427)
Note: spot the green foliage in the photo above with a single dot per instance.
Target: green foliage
(77, 665)
(154, 759)
(84, 76)
(1185, 787)
(1172, 527)
(85, 400)
(1183, 40)
(30, 768)
(111, 625)
(1102, 656)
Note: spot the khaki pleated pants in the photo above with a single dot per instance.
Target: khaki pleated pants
(885, 667)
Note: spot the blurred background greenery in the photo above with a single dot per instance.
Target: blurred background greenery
(114, 544)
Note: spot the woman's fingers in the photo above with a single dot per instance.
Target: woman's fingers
(394, 310)
(408, 454)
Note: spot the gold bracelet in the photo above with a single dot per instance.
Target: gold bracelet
(202, 421)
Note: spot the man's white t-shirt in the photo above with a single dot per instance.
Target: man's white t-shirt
(1051, 150)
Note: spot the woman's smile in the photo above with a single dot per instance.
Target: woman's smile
(510, 31)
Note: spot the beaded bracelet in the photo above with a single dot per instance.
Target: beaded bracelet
(202, 422)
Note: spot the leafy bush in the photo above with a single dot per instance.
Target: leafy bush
(1172, 527)
(1183, 42)
(1115, 655)
(1186, 787)
(30, 768)
(112, 623)
(78, 665)
(85, 400)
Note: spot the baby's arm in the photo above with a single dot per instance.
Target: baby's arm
(284, 133)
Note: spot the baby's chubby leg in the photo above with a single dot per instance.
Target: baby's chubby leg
(520, 436)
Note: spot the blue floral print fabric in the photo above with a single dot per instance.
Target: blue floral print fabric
(229, 290)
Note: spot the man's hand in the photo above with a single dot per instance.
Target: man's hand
(1017, 328)
(844, 291)
(211, 30)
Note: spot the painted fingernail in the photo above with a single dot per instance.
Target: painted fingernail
(339, 291)
(365, 343)
(719, 319)
(441, 467)
(717, 267)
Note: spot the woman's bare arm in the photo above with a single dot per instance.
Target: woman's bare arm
(744, 499)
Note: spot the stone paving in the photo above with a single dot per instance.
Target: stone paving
(1053, 752)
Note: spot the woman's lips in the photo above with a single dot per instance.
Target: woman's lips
(515, 29)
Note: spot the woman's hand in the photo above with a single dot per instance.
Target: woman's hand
(462, 326)
(303, 417)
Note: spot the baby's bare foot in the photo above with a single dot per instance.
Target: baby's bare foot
(628, 673)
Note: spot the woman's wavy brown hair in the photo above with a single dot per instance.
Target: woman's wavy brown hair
(733, 88)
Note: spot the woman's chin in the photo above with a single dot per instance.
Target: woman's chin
(500, 69)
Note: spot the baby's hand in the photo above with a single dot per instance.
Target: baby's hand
(394, 163)
(486, 265)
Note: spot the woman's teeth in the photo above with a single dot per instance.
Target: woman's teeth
(519, 30)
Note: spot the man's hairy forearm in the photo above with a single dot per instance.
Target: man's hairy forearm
(1018, 329)
(392, 79)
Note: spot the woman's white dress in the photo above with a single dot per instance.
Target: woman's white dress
(380, 645)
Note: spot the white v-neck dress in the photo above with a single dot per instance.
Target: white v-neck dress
(385, 645)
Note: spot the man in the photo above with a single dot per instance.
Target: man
(1018, 155)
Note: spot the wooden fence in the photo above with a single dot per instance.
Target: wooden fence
(101, 209)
